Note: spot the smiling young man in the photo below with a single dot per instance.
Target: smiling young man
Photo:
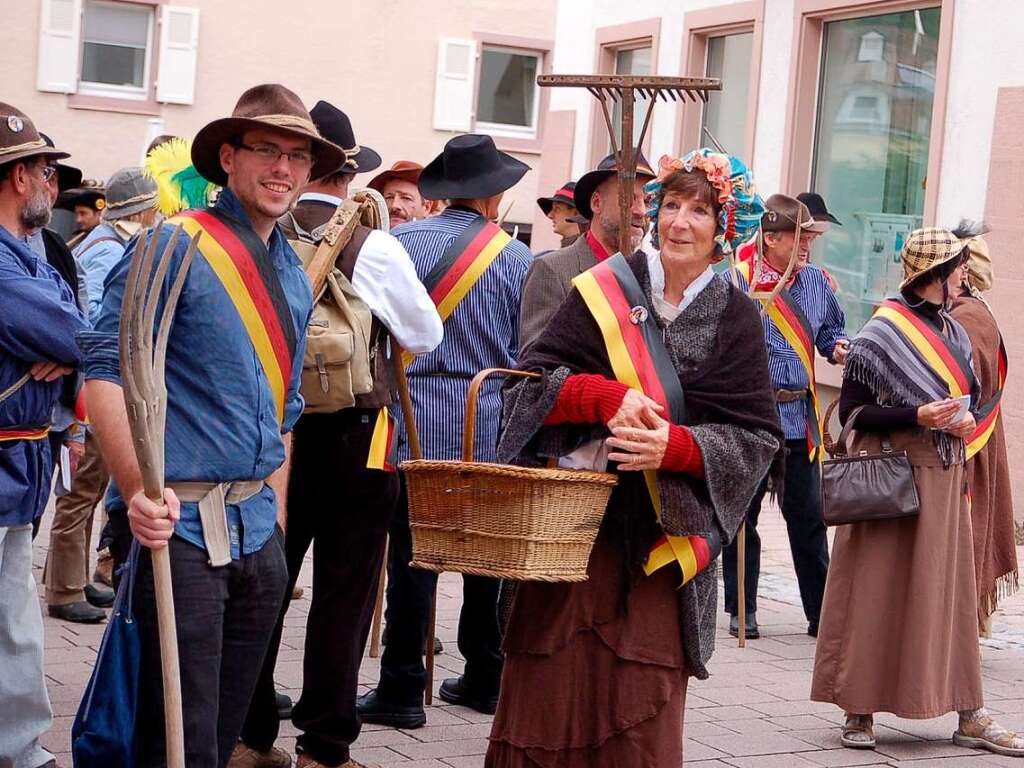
(233, 396)
(820, 320)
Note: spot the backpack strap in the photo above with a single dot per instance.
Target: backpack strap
(104, 239)
(350, 252)
(336, 234)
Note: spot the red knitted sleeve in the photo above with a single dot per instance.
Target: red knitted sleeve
(587, 398)
(682, 454)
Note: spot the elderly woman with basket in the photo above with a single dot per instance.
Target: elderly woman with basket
(899, 625)
(657, 366)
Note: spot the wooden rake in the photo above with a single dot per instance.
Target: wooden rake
(143, 361)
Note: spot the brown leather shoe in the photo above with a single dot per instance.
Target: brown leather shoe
(305, 761)
(247, 757)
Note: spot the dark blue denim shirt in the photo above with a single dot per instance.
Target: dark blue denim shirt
(221, 418)
(39, 318)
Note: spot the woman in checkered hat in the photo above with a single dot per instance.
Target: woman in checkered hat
(899, 626)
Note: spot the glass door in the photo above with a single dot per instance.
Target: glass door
(725, 115)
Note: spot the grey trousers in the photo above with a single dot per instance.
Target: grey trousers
(24, 705)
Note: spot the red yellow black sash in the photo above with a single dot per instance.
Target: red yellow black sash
(382, 444)
(23, 433)
(639, 360)
(988, 414)
(460, 267)
(240, 260)
(938, 353)
(794, 326)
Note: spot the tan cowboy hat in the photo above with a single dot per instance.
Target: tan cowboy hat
(783, 213)
(979, 265)
(926, 249)
(19, 138)
(405, 170)
(263, 106)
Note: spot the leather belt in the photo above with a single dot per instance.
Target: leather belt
(790, 395)
(213, 499)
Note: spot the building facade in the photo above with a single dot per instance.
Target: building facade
(103, 77)
(900, 113)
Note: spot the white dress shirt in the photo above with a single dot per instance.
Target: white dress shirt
(384, 277)
(666, 309)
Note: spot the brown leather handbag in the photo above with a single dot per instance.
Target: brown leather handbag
(866, 486)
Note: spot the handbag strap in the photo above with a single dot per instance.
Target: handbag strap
(840, 444)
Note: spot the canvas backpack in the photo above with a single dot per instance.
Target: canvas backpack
(338, 364)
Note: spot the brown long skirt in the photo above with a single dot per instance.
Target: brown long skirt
(587, 684)
(899, 624)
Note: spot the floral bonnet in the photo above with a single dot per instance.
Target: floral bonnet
(741, 205)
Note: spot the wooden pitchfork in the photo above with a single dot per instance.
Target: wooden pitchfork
(145, 397)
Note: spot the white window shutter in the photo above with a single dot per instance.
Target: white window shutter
(60, 26)
(453, 90)
(179, 51)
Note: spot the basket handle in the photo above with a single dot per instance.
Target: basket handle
(469, 430)
(826, 439)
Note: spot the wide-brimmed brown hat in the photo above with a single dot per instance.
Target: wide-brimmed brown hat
(19, 138)
(406, 170)
(926, 249)
(783, 213)
(263, 106)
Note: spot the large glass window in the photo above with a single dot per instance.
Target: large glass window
(725, 115)
(115, 44)
(874, 120)
(507, 97)
(632, 61)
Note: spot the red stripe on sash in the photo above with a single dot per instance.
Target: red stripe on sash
(936, 341)
(631, 335)
(250, 275)
(466, 258)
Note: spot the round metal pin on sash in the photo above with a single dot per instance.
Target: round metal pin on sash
(637, 315)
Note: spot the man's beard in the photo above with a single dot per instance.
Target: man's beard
(36, 212)
(612, 231)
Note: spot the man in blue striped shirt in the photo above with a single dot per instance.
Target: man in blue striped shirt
(801, 498)
(481, 332)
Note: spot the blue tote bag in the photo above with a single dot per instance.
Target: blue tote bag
(103, 734)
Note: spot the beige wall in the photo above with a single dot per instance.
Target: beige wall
(376, 60)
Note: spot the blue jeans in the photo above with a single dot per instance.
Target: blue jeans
(225, 617)
(24, 705)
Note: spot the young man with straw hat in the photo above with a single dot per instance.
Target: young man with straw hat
(39, 318)
(481, 318)
(234, 360)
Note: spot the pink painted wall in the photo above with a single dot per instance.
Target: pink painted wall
(555, 171)
(376, 60)
(1004, 212)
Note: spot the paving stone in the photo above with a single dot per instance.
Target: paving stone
(772, 761)
(842, 757)
(757, 744)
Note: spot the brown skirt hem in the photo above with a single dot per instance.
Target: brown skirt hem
(876, 708)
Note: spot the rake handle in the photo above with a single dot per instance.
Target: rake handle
(169, 666)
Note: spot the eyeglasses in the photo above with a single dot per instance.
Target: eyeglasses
(48, 172)
(270, 154)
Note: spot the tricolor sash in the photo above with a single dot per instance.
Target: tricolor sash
(988, 414)
(787, 315)
(939, 354)
(382, 444)
(460, 267)
(242, 264)
(23, 433)
(639, 360)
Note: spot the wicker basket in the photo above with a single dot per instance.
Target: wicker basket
(503, 521)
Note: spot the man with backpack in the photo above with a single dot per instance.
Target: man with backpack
(343, 488)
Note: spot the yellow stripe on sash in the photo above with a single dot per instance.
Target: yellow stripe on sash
(979, 442)
(626, 373)
(379, 442)
(922, 345)
(793, 339)
(15, 434)
(224, 267)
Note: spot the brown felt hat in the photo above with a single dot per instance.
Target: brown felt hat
(784, 214)
(263, 106)
(405, 170)
(19, 138)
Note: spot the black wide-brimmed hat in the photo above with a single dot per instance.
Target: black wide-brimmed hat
(90, 193)
(816, 205)
(470, 167)
(68, 177)
(607, 168)
(561, 195)
(335, 126)
(263, 106)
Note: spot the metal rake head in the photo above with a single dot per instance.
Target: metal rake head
(143, 357)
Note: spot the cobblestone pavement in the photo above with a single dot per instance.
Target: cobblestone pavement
(753, 712)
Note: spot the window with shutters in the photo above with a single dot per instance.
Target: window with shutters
(507, 99)
(116, 48)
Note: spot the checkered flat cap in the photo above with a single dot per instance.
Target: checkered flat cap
(927, 248)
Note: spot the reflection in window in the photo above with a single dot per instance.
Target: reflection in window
(725, 115)
(874, 117)
(507, 96)
(632, 61)
(115, 43)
